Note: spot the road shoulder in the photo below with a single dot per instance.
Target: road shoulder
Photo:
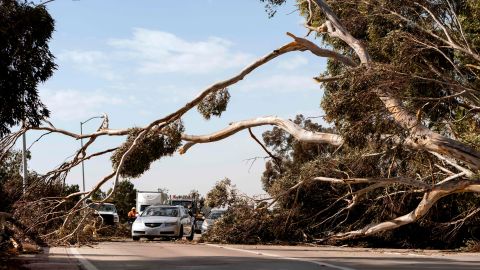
(51, 258)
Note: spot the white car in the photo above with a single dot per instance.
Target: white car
(163, 221)
(214, 214)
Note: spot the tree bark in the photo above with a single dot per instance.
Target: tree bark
(429, 199)
(298, 132)
(420, 136)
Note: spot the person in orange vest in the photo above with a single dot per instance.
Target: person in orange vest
(132, 215)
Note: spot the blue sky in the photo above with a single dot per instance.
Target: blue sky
(140, 60)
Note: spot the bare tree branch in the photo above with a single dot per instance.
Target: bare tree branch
(275, 159)
(299, 133)
(308, 45)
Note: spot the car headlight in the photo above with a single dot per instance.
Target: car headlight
(170, 224)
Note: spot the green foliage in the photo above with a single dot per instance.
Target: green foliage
(242, 224)
(404, 66)
(314, 210)
(31, 209)
(25, 61)
(422, 77)
(10, 180)
(291, 152)
(222, 194)
(468, 128)
(194, 194)
(151, 147)
(214, 104)
(11, 183)
(98, 195)
(67, 190)
(271, 6)
(408, 64)
(124, 198)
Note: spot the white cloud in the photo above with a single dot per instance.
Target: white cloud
(163, 52)
(293, 62)
(76, 105)
(280, 83)
(93, 62)
(82, 57)
(155, 52)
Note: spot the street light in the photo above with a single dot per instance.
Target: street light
(24, 161)
(81, 143)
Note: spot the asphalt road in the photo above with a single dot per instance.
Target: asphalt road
(158, 254)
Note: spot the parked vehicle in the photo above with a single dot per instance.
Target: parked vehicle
(147, 198)
(190, 203)
(107, 211)
(214, 214)
(163, 221)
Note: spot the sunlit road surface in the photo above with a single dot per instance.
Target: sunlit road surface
(158, 254)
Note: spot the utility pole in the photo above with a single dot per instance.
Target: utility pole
(24, 157)
(81, 144)
(83, 166)
(24, 150)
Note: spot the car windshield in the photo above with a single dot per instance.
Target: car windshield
(160, 212)
(105, 208)
(215, 214)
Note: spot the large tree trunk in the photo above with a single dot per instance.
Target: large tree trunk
(429, 199)
(420, 136)
(423, 138)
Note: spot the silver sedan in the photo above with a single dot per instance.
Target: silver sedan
(163, 221)
(214, 214)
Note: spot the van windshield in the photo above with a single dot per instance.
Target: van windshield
(105, 208)
(143, 207)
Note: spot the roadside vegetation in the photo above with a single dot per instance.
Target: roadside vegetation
(365, 187)
(398, 165)
(314, 212)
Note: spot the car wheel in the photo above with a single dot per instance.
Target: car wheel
(135, 238)
(150, 238)
(192, 233)
(180, 234)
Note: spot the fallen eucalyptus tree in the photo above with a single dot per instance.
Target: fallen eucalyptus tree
(397, 110)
